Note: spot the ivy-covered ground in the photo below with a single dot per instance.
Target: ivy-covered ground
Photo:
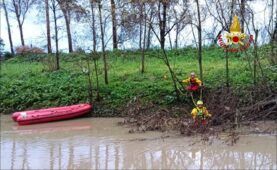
(27, 83)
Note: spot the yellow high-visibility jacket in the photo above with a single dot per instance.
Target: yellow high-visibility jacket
(198, 111)
(195, 80)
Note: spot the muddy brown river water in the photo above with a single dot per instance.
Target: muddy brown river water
(99, 143)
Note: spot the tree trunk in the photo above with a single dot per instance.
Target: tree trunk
(255, 57)
(199, 41)
(163, 24)
(90, 95)
(21, 33)
(242, 11)
(49, 48)
(148, 44)
(114, 24)
(148, 38)
(231, 16)
(93, 25)
(67, 23)
(144, 43)
(9, 27)
(226, 52)
(170, 41)
(97, 80)
(56, 35)
(17, 14)
(177, 34)
(273, 45)
(94, 49)
(140, 27)
(273, 37)
(103, 43)
(66, 13)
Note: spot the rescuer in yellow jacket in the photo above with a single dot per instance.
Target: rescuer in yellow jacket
(194, 82)
(200, 113)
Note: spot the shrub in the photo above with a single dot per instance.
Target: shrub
(7, 55)
(1, 47)
(80, 50)
(36, 50)
(27, 50)
(22, 50)
(49, 63)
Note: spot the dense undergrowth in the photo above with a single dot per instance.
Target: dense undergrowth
(25, 82)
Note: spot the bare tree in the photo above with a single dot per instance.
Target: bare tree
(255, 51)
(178, 15)
(93, 24)
(271, 29)
(103, 43)
(242, 13)
(20, 8)
(197, 22)
(141, 19)
(179, 28)
(143, 9)
(65, 7)
(53, 7)
(144, 39)
(131, 21)
(94, 55)
(49, 48)
(70, 7)
(151, 16)
(143, 50)
(199, 28)
(9, 26)
(162, 13)
(223, 13)
(165, 25)
(134, 17)
(161, 39)
(114, 24)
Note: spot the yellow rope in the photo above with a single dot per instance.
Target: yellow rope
(193, 99)
(201, 92)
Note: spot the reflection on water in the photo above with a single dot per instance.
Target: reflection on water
(97, 143)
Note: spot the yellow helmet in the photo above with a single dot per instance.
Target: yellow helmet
(199, 102)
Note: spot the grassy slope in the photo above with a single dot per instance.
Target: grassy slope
(24, 85)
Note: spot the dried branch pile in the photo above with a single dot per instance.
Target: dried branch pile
(234, 106)
(227, 106)
(150, 117)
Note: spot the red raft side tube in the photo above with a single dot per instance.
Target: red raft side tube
(52, 114)
(29, 112)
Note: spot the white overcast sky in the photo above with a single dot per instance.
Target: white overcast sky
(35, 30)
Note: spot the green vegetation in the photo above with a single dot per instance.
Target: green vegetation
(25, 82)
(1, 47)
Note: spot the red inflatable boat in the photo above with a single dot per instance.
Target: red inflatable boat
(50, 114)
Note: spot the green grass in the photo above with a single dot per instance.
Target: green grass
(24, 84)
